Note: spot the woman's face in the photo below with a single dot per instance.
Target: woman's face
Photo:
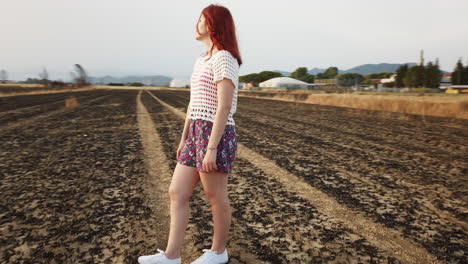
(202, 28)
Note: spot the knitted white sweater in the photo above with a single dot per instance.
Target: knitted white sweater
(203, 88)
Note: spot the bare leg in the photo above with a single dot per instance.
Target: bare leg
(215, 187)
(184, 181)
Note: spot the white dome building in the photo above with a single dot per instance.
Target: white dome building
(284, 82)
(180, 82)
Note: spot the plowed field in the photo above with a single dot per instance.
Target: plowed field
(311, 183)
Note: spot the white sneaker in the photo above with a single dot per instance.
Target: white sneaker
(159, 258)
(211, 257)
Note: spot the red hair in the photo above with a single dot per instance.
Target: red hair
(221, 29)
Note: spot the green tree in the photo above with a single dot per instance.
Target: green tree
(349, 79)
(266, 75)
(308, 79)
(458, 73)
(257, 78)
(299, 73)
(253, 77)
(401, 73)
(432, 75)
(414, 77)
(465, 75)
(329, 73)
(368, 81)
(136, 84)
(302, 74)
(380, 75)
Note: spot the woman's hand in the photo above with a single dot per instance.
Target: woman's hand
(179, 149)
(209, 161)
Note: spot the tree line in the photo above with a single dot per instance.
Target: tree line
(460, 74)
(79, 78)
(428, 76)
(300, 73)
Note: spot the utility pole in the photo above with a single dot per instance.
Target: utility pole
(421, 58)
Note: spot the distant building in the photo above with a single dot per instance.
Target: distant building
(180, 82)
(325, 84)
(246, 86)
(286, 83)
(446, 81)
(388, 80)
(457, 89)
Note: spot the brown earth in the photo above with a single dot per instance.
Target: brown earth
(313, 184)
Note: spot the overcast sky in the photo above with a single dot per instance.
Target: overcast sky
(156, 37)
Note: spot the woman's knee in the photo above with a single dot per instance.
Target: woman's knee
(217, 197)
(179, 195)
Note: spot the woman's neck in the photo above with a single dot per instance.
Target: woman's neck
(215, 49)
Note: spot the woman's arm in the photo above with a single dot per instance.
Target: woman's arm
(225, 73)
(225, 93)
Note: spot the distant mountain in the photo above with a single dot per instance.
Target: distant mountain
(285, 73)
(361, 69)
(316, 71)
(376, 68)
(155, 80)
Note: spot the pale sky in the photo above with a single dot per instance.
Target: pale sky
(143, 37)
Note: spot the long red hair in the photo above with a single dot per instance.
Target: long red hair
(221, 29)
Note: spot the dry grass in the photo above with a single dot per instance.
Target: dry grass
(137, 87)
(19, 85)
(445, 105)
(456, 107)
(40, 89)
(436, 104)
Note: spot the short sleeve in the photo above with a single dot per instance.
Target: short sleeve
(225, 66)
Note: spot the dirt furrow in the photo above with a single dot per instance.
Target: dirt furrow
(159, 180)
(406, 210)
(37, 105)
(370, 119)
(442, 143)
(77, 196)
(428, 215)
(376, 233)
(37, 118)
(169, 128)
(387, 125)
(379, 138)
(372, 163)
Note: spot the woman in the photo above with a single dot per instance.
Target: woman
(208, 145)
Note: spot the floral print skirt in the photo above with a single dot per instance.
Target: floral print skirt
(196, 143)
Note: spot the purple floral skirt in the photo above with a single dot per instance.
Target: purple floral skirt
(196, 143)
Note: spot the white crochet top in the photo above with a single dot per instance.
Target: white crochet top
(203, 89)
